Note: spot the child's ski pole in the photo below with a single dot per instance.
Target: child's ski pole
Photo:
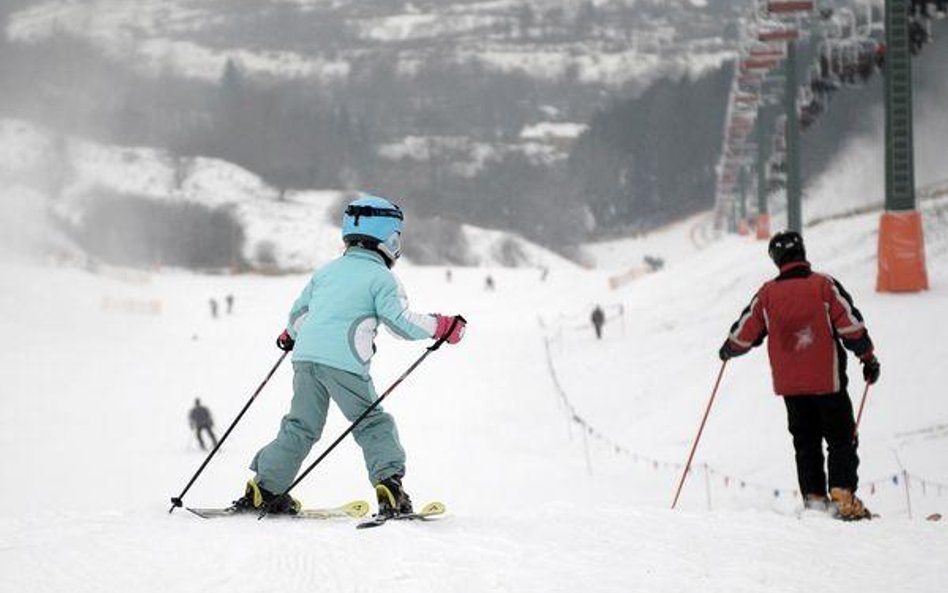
(177, 500)
(367, 411)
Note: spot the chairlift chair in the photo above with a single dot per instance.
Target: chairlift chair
(767, 52)
(789, 7)
(778, 34)
(755, 65)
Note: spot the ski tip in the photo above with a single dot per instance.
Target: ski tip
(356, 508)
(433, 508)
(427, 513)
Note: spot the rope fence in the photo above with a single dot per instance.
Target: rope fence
(902, 479)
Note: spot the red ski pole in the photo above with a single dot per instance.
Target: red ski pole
(862, 404)
(694, 446)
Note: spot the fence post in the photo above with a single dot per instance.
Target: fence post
(908, 494)
(707, 484)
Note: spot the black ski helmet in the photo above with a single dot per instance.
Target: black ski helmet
(786, 247)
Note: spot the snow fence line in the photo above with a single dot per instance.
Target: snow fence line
(903, 478)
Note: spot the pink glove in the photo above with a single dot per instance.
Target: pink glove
(451, 335)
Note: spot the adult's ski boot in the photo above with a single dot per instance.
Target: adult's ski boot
(848, 507)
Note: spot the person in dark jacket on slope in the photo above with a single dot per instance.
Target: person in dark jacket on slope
(808, 319)
(598, 318)
(200, 420)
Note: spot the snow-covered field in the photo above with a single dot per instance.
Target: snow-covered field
(98, 373)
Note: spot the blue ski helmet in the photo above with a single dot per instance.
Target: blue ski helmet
(375, 223)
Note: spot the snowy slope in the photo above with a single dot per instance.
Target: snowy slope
(673, 243)
(99, 373)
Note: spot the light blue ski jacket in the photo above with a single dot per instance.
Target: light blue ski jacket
(335, 319)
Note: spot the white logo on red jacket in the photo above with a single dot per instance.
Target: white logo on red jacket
(805, 338)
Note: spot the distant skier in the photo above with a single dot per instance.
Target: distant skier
(598, 318)
(808, 318)
(489, 283)
(201, 421)
(213, 304)
(331, 331)
(229, 300)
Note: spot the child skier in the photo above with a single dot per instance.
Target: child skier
(331, 330)
(808, 318)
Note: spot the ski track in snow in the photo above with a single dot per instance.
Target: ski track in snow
(94, 434)
(609, 550)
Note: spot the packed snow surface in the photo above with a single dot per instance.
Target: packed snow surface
(556, 454)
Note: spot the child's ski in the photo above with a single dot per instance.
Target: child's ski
(354, 509)
(428, 512)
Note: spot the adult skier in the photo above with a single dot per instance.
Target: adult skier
(200, 420)
(598, 319)
(808, 318)
(331, 331)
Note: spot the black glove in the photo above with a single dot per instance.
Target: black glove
(870, 369)
(285, 342)
(727, 351)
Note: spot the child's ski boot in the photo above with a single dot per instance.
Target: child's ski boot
(392, 498)
(256, 498)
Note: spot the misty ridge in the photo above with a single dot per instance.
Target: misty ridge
(445, 139)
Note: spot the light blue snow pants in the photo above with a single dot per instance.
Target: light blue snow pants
(277, 464)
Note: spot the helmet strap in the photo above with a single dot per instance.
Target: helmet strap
(357, 212)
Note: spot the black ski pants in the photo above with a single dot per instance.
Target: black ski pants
(210, 432)
(813, 419)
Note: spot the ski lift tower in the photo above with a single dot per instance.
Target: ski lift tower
(763, 214)
(901, 240)
(791, 8)
(769, 45)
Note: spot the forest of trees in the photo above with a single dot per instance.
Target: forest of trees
(651, 159)
(144, 232)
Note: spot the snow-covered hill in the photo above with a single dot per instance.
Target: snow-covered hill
(557, 478)
(292, 230)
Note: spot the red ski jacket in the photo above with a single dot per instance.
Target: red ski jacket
(808, 318)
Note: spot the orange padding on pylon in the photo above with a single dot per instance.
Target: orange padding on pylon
(763, 227)
(901, 253)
